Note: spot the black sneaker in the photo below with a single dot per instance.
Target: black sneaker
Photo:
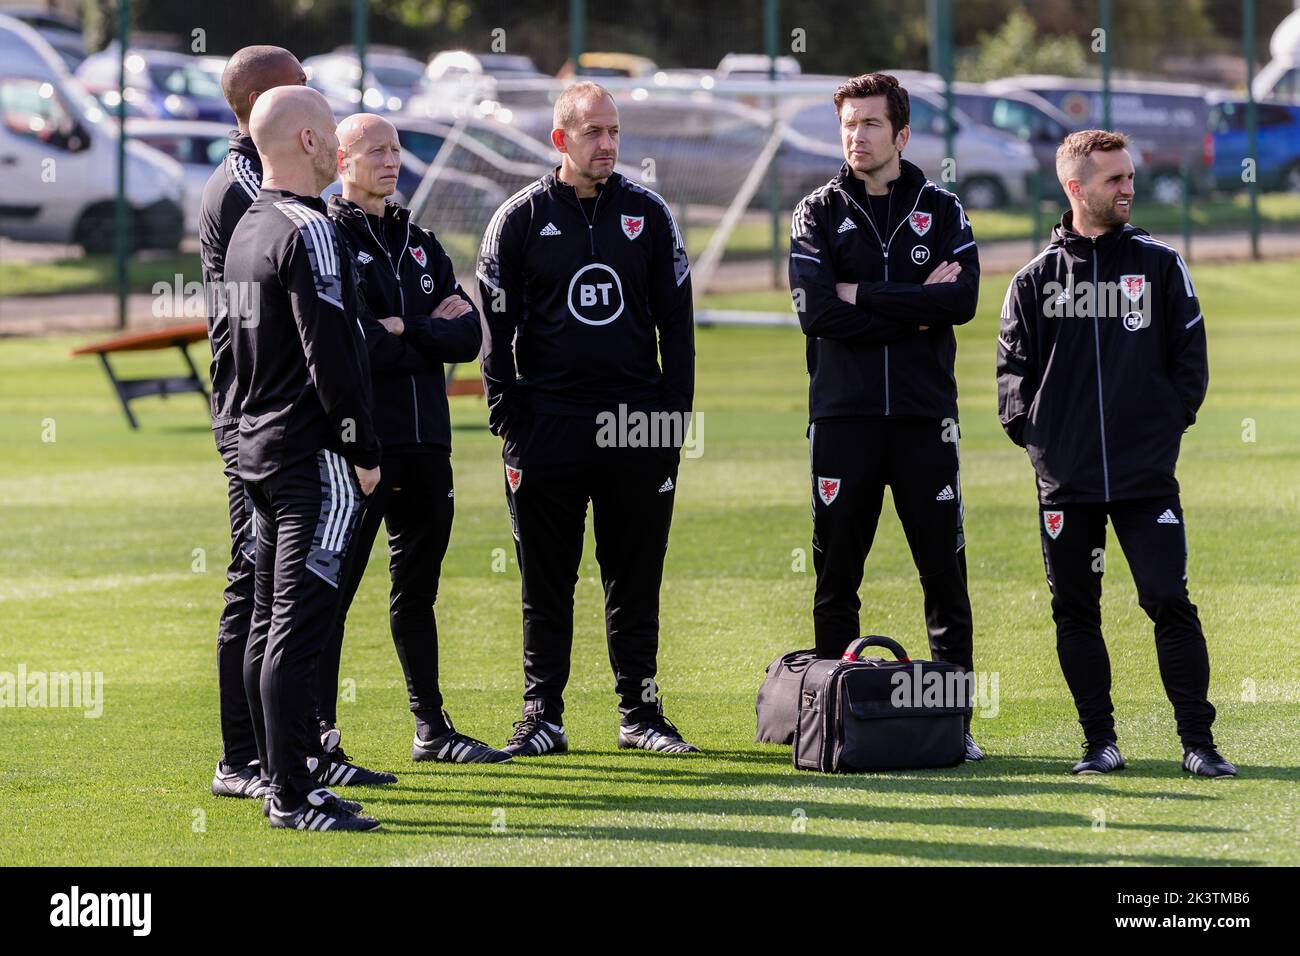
(455, 747)
(973, 751)
(1207, 762)
(244, 782)
(337, 770)
(657, 734)
(350, 805)
(321, 811)
(1099, 758)
(534, 737)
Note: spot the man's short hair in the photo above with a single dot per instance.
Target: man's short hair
(1072, 155)
(566, 107)
(897, 105)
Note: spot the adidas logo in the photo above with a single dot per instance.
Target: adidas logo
(1168, 517)
(846, 225)
(946, 494)
(549, 230)
(666, 487)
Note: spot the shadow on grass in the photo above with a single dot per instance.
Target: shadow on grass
(851, 846)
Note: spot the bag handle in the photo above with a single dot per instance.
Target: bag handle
(854, 651)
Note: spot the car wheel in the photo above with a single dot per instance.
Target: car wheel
(96, 229)
(982, 192)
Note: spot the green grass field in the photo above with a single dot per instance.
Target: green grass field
(98, 572)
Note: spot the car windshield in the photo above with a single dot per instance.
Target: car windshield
(184, 79)
(396, 77)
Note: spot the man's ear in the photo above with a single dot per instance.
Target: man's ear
(557, 139)
(903, 136)
(339, 153)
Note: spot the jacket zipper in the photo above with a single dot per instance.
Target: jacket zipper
(884, 249)
(591, 222)
(1101, 410)
(401, 300)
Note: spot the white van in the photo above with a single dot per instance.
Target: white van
(58, 158)
(1280, 79)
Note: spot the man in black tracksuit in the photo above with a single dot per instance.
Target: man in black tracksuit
(585, 285)
(883, 265)
(1101, 368)
(307, 446)
(417, 317)
(229, 192)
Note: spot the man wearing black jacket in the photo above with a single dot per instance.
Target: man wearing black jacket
(883, 265)
(229, 192)
(307, 447)
(417, 317)
(585, 286)
(1101, 368)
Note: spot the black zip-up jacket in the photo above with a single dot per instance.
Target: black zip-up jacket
(229, 192)
(869, 358)
(1101, 364)
(404, 272)
(300, 354)
(588, 304)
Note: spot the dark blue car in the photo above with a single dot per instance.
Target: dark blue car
(1277, 147)
(160, 84)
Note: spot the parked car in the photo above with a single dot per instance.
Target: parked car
(159, 83)
(198, 147)
(458, 80)
(1166, 122)
(1280, 77)
(1277, 145)
(993, 168)
(595, 65)
(60, 31)
(59, 150)
(391, 78)
(755, 66)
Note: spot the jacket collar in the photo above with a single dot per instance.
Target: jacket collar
(278, 195)
(559, 187)
(1064, 237)
(242, 143)
(910, 180)
(393, 213)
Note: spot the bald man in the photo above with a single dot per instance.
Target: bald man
(308, 452)
(417, 318)
(229, 192)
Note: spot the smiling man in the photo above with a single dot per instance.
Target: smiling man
(1101, 368)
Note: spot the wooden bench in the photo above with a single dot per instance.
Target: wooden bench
(462, 386)
(180, 337)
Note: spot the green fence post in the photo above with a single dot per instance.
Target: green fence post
(360, 29)
(770, 18)
(121, 211)
(1252, 124)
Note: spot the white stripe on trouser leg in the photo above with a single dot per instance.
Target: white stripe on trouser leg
(332, 514)
(349, 501)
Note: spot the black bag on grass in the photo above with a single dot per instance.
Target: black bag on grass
(777, 705)
(860, 714)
